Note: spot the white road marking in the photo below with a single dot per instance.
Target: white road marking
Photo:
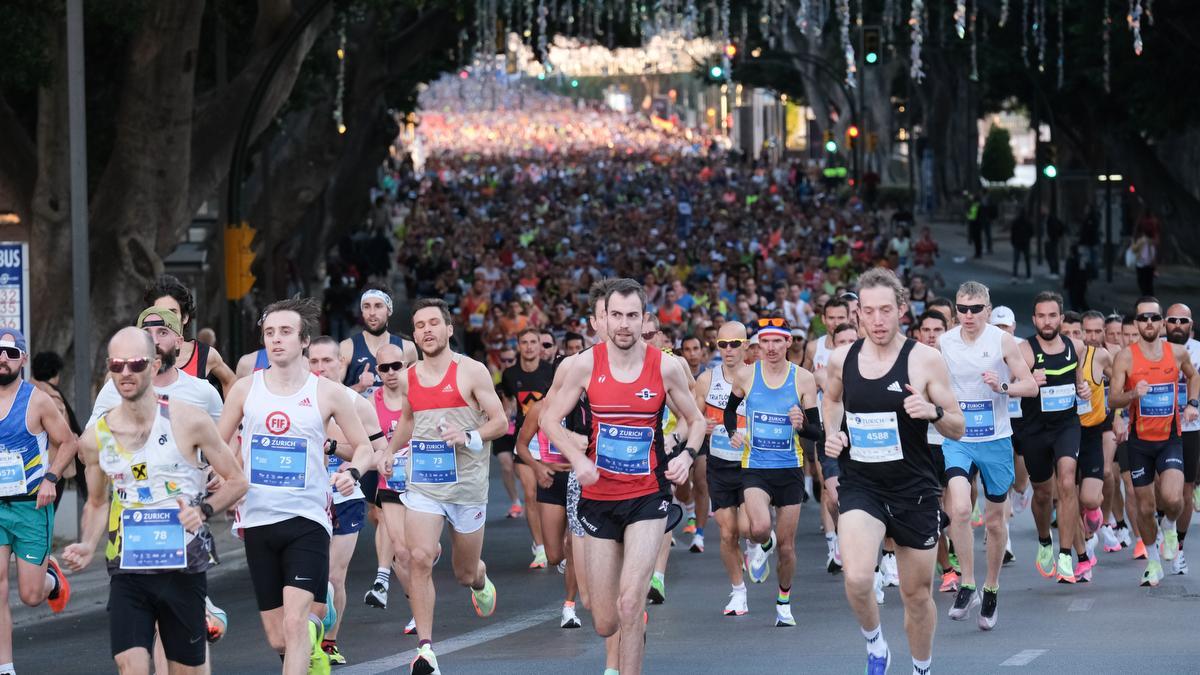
(474, 638)
(1023, 658)
(1081, 605)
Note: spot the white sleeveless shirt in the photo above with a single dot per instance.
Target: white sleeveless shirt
(986, 411)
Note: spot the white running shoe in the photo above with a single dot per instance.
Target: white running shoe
(879, 587)
(410, 628)
(891, 574)
(569, 619)
(1109, 539)
(377, 596)
(783, 616)
(1090, 545)
(562, 566)
(737, 604)
(1179, 564)
(697, 544)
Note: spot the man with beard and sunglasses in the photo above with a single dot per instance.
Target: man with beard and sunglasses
(358, 352)
(1145, 377)
(165, 328)
(28, 484)
(1179, 332)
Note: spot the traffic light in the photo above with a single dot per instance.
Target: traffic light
(716, 72)
(730, 50)
(1050, 171)
(872, 45)
(239, 256)
(851, 135)
(831, 146)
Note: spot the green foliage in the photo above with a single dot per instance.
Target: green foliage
(998, 162)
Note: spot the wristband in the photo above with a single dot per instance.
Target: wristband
(206, 510)
(355, 474)
(474, 441)
(330, 446)
(376, 436)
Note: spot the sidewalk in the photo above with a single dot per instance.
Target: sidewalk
(89, 588)
(1174, 283)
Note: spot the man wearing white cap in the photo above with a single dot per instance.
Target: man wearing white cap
(358, 352)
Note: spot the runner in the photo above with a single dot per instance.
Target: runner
(986, 368)
(1128, 532)
(282, 412)
(358, 352)
(691, 349)
(836, 312)
(1093, 336)
(1145, 377)
(1049, 441)
(1094, 458)
(195, 358)
(843, 334)
(1179, 331)
(626, 469)
(888, 486)
(522, 385)
(29, 474)
(931, 326)
(451, 412)
(252, 363)
(724, 470)
(157, 453)
(781, 406)
(349, 511)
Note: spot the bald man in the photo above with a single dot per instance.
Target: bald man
(1179, 331)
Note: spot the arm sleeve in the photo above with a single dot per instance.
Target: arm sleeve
(731, 415)
(812, 426)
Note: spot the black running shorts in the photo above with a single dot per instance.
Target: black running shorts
(916, 526)
(1150, 458)
(606, 519)
(1191, 455)
(556, 494)
(1091, 453)
(1043, 449)
(293, 552)
(724, 483)
(785, 487)
(174, 601)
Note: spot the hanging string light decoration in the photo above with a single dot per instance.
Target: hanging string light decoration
(916, 37)
(1134, 18)
(339, 118)
(1107, 49)
(1148, 10)
(1039, 33)
(843, 7)
(960, 18)
(889, 18)
(1061, 45)
(974, 41)
(542, 12)
(1025, 32)
(1003, 13)
(527, 15)
(802, 16)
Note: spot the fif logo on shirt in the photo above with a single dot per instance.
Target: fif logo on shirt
(278, 422)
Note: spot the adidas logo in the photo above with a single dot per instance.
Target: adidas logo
(305, 403)
(447, 389)
(930, 541)
(894, 386)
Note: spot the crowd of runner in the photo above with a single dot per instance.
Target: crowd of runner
(640, 367)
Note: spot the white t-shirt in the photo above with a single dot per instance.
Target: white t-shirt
(186, 388)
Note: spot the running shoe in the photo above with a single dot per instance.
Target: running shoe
(569, 618)
(1179, 564)
(562, 566)
(1065, 574)
(331, 617)
(1108, 539)
(377, 596)
(987, 610)
(976, 516)
(966, 600)
(1092, 520)
(216, 619)
(878, 665)
(1170, 544)
(539, 559)
(758, 563)
(783, 615)
(1083, 569)
(891, 574)
(426, 662)
(1153, 573)
(949, 582)
(59, 602)
(879, 597)
(484, 600)
(514, 511)
(1090, 545)
(954, 562)
(737, 604)
(833, 561)
(410, 628)
(335, 656)
(1045, 560)
(697, 544)
(657, 594)
(690, 526)
(1123, 537)
(1139, 550)
(318, 661)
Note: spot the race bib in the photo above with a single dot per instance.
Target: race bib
(152, 539)
(1158, 402)
(980, 417)
(624, 450)
(1083, 406)
(1014, 408)
(874, 437)
(12, 474)
(1058, 399)
(433, 463)
(398, 481)
(549, 453)
(719, 446)
(278, 461)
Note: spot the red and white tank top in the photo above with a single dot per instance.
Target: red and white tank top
(627, 442)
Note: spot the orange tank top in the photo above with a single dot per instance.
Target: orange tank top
(1154, 414)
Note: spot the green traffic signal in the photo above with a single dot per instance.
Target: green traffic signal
(1050, 171)
(716, 72)
(872, 57)
(830, 146)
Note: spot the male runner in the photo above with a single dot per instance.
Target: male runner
(358, 353)
(522, 385)
(781, 405)
(1179, 332)
(451, 413)
(1093, 336)
(157, 453)
(978, 357)
(1094, 460)
(1049, 433)
(626, 469)
(252, 363)
(195, 358)
(1145, 377)
(282, 413)
(724, 470)
(28, 485)
(931, 326)
(843, 334)
(1128, 532)
(836, 312)
(816, 354)
(882, 393)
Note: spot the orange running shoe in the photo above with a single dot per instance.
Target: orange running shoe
(1139, 550)
(59, 603)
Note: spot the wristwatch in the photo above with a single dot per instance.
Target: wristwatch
(355, 474)
(50, 477)
(1004, 387)
(940, 413)
(206, 509)
(1194, 402)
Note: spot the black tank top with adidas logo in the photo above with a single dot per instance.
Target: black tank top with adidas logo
(911, 479)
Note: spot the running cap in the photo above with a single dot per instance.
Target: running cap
(11, 337)
(165, 317)
(1003, 316)
(375, 293)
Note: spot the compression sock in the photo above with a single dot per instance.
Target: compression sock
(785, 596)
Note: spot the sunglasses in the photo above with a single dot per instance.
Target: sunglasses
(1173, 320)
(508, 361)
(547, 345)
(774, 323)
(389, 367)
(1148, 317)
(730, 344)
(969, 309)
(135, 365)
(10, 353)
(650, 335)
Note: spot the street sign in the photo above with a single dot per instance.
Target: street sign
(14, 286)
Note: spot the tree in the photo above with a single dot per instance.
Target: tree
(998, 162)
